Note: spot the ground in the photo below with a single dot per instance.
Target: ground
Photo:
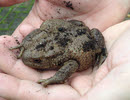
(11, 17)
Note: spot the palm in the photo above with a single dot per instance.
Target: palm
(80, 83)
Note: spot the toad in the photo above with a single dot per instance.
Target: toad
(66, 46)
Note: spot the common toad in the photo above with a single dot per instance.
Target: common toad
(66, 46)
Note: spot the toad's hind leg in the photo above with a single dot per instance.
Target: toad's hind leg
(21, 52)
(62, 74)
(101, 57)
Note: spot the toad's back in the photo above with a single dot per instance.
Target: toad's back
(57, 42)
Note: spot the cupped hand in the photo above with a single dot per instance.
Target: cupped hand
(21, 80)
(109, 82)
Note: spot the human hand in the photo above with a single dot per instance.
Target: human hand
(23, 72)
(110, 82)
(97, 13)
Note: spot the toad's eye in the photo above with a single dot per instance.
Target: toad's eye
(77, 22)
(37, 61)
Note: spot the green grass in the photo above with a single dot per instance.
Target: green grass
(11, 17)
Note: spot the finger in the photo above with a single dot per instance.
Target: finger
(81, 83)
(115, 86)
(84, 82)
(117, 40)
(27, 90)
(115, 48)
(5, 3)
(101, 73)
(11, 65)
(20, 89)
(24, 29)
(114, 32)
(119, 53)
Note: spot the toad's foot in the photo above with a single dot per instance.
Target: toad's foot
(62, 74)
(48, 81)
(18, 47)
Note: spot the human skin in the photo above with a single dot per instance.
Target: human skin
(110, 82)
(19, 82)
(6, 3)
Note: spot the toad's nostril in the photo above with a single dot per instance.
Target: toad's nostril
(37, 61)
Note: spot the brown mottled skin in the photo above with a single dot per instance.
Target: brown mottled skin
(67, 46)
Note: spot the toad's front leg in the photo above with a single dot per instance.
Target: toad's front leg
(21, 47)
(62, 74)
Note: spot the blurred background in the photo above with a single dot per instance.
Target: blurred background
(11, 17)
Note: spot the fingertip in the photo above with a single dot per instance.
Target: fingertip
(25, 29)
(24, 72)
